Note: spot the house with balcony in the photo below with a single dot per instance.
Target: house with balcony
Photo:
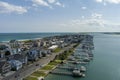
(14, 45)
(21, 57)
(5, 67)
(32, 55)
(15, 64)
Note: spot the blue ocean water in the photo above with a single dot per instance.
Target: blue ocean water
(23, 36)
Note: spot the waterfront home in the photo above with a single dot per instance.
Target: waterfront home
(39, 53)
(41, 44)
(89, 38)
(49, 51)
(53, 43)
(44, 43)
(14, 44)
(21, 57)
(3, 59)
(62, 44)
(27, 44)
(35, 43)
(44, 52)
(14, 51)
(15, 64)
(3, 47)
(4, 50)
(33, 55)
(38, 43)
(4, 53)
(4, 67)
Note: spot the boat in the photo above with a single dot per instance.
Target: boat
(82, 68)
(41, 78)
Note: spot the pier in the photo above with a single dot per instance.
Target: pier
(74, 73)
(76, 62)
(61, 73)
(69, 68)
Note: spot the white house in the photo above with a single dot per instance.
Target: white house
(53, 47)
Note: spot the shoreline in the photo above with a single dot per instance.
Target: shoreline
(21, 40)
(56, 34)
(39, 35)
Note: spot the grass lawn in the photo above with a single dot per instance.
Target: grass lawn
(58, 61)
(30, 78)
(47, 67)
(55, 62)
(57, 50)
(39, 73)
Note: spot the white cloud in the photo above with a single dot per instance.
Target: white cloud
(89, 22)
(83, 8)
(47, 3)
(108, 1)
(40, 2)
(9, 8)
(51, 1)
(95, 23)
(56, 2)
(97, 15)
(94, 20)
(59, 4)
(83, 17)
(99, 0)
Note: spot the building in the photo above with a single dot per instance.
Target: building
(33, 55)
(15, 64)
(21, 57)
(44, 52)
(4, 53)
(40, 53)
(4, 67)
(53, 47)
(14, 43)
(14, 46)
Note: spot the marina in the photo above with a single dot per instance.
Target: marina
(81, 56)
(105, 64)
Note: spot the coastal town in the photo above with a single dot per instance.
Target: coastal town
(35, 59)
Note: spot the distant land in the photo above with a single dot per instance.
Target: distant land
(116, 33)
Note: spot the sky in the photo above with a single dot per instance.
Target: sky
(59, 16)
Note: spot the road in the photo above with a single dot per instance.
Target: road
(27, 70)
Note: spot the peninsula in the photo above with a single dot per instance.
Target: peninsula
(19, 59)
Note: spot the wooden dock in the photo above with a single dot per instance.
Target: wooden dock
(61, 73)
(68, 74)
(69, 68)
(78, 62)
